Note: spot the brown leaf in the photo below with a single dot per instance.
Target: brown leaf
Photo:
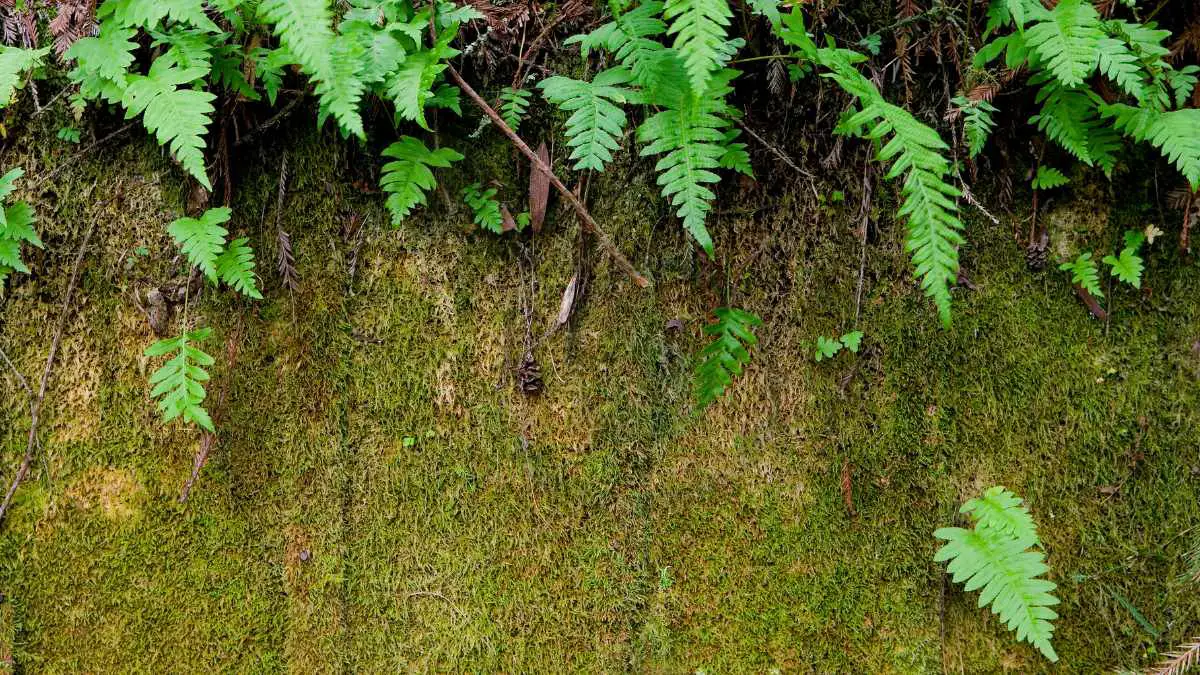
(847, 488)
(567, 306)
(507, 219)
(539, 191)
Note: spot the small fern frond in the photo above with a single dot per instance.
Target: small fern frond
(1127, 266)
(596, 122)
(14, 63)
(16, 227)
(1048, 177)
(484, 207)
(726, 355)
(408, 178)
(180, 381)
(1084, 273)
(235, 266)
(699, 30)
(178, 117)
(977, 122)
(1069, 41)
(1179, 661)
(202, 240)
(150, 13)
(992, 556)
(1070, 118)
(513, 105)
(1173, 133)
(411, 86)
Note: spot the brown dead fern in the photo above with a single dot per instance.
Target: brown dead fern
(1184, 658)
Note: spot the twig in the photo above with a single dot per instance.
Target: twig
(36, 406)
(774, 150)
(868, 191)
(605, 242)
(74, 160)
(272, 121)
(20, 377)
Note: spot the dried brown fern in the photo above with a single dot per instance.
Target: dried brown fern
(75, 19)
(1180, 661)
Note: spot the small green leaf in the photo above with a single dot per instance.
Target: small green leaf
(852, 340)
(827, 348)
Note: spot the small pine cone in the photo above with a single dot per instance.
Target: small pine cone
(1037, 254)
(529, 376)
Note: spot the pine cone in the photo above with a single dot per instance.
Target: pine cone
(1037, 254)
(529, 376)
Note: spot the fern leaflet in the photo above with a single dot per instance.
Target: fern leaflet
(513, 105)
(484, 207)
(235, 266)
(177, 117)
(1069, 41)
(16, 227)
(1173, 133)
(1048, 177)
(14, 62)
(408, 178)
(699, 30)
(202, 240)
(726, 355)
(1084, 273)
(180, 381)
(977, 122)
(596, 122)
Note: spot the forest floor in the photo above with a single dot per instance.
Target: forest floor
(381, 497)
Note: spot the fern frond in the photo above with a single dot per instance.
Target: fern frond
(726, 355)
(180, 381)
(1179, 661)
(411, 86)
(408, 178)
(149, 13)
(1120, 65)
(596, 122)
(14, 63)
(993, 557)
(16, 227)
(699, 29)
(1173, 133)
(1127, 266)
(735, 156)
(977, 122)
(621, 35)
(1048, 177)
(177, 117)
(513, 105)
(484, 207)
(1084, 273)
(102, 62)
(304, 28)
(1070, 118)
(202, 240)
(235, 266)
(1069, 41)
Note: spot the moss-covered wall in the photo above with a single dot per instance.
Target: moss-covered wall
(382, 498)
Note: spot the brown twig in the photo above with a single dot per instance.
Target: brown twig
(36, 406)
(605, 241)
(774, 150)
(74, 160)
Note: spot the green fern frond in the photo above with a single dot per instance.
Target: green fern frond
(1120, 65)
(993, 557)
(513, 105)
(16, 227)
(177, 117)
(699, 29)
(1127, 266)
(977, 122)
(180, 381)
(735, 156)
(726, 355)
(1084, 273)
(596, 122)
(14, 63)
(1069, 41)
(411, 86)
(408, 178)
(1071, 118)
(102, 62)
(150, 13)
(1173, 133)
(484, 207)
(1048, 177)
(235, 266)
(304, 28)
(626, 34)
(202, 240)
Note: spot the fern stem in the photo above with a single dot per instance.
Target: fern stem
(605, 241)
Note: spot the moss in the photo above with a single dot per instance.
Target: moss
(382, 498)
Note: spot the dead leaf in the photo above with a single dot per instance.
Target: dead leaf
(539, 191)
(567, 306)
(507, 218)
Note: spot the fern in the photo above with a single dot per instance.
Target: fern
(202, 240)
(408, 178)
(993, 556)
(177, 117)
(484, 207)
(16, 227)
(513, 105)
(1084, 273)
(14, 63)
(699, 30)
(1048, 177)
(596, 122)
(977, 122)
(1128, 265)
(827, 348)
(180, 381)
(1173, 133)
(304, 28)
(235, 266)
(726, 355)
(1069, 41)
(411, 87)
(102, 61)
(149, 13)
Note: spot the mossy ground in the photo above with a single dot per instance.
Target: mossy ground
(600, 526)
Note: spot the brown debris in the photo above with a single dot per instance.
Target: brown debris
(539, 191)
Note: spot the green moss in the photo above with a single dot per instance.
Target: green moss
(535, 534)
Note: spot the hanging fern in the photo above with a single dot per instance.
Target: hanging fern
(993, 556)
(1069, 41)
(596, 122)
(726, 355)
(180, 381)
(202, 239)
(14, 63)
(1084, 273)
(699, 30)
(177, 116)
(977, 122)
(235, 266)
(1173, 133)
(513, 105)
(408, 178)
